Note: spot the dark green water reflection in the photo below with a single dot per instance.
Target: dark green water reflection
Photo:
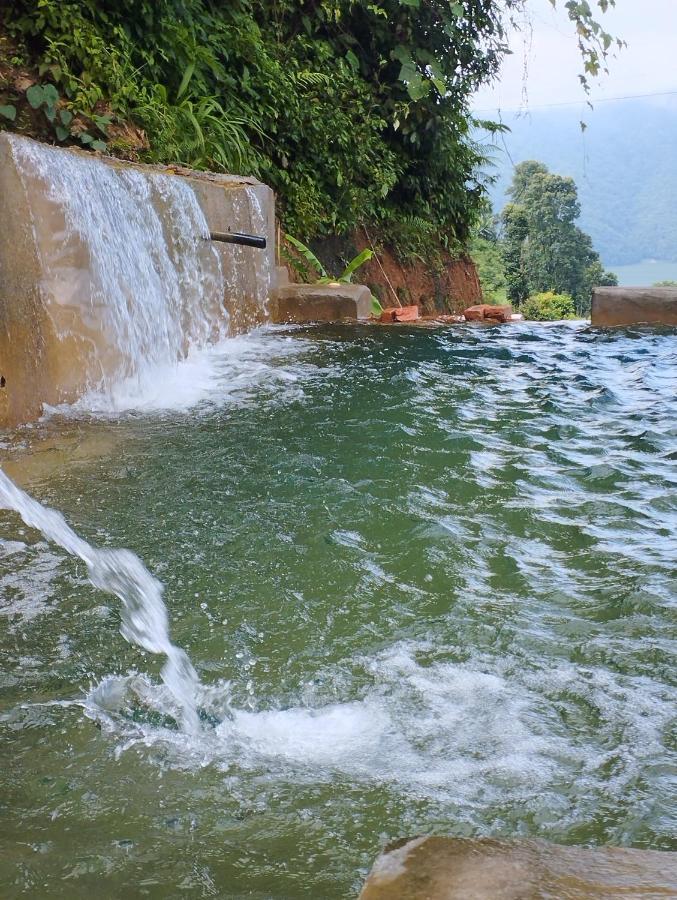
(438, 569)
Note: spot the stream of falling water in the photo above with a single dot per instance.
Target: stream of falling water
(119, 572)
(128, 274)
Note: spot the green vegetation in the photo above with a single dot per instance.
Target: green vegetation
(543, 249)
(354, 111)
(485, 250)
(346, 275)
(548, 307)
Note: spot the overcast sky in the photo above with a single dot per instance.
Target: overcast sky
(648, 65)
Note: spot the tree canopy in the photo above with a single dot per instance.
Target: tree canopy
(542, 247)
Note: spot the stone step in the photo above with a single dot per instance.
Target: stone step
(618, 306)
(305, 303)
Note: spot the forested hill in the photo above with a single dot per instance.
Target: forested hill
(625, 166)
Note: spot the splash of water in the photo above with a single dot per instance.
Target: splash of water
(119, 572)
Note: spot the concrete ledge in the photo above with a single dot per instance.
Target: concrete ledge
(617, 306)
(446, 868)
(302, 303)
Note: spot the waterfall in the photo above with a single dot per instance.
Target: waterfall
(119, 572)
(129, 276)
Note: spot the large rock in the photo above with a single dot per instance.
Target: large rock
(446, 868)
(614, 306)
(303, 303)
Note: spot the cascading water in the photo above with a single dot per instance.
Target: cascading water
(128, 273)
(263, 274)
(119, 572)
(132, 286)
(131, 279)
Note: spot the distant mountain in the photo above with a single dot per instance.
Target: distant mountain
(625, 166)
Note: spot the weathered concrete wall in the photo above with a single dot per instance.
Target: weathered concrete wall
(446, 868)
(45, 283)
(232, 203)
(25, 371)
(614, 306)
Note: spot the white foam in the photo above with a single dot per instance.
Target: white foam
(450, 733)
(443, 730)
(232, 371)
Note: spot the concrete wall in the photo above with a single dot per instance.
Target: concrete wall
(25, 372)
(44, 275)
(618, 306)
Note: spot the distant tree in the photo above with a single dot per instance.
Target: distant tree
(515, 234)
(490, 269)
(522, 176)
(542, 247)
(668, 282)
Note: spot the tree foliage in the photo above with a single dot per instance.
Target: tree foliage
(543, 248)
(486, 252)
(353, 110)
(625, 173)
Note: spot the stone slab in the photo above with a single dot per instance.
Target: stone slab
(306, 303)
(619, 306)
(447, 868)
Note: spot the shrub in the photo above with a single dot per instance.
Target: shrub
(548, 307)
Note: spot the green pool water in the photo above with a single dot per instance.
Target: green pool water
(427, 579)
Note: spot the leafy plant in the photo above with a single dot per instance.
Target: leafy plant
(346, 275)
(45, 97)
(197, 132)
(8, 111)
(308, 255)
(548, 307)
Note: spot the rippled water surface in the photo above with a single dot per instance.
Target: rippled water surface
(427, 579)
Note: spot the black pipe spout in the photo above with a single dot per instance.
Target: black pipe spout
(236, 237)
